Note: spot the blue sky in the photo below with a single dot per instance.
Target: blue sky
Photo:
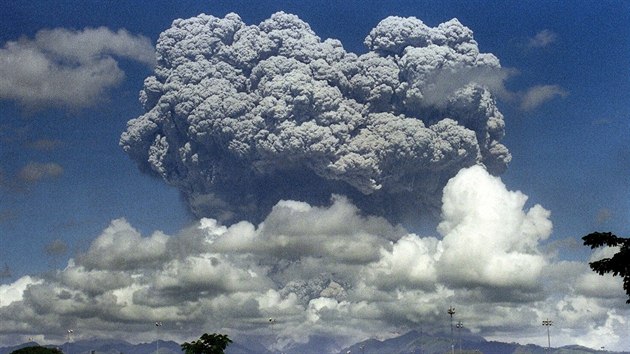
(564, 97)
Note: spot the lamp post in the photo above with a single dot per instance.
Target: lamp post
(548, 323)
(70, 332)
(158, 324)
(273, 333)
(451, 312)
(271, 322)
(459, 326)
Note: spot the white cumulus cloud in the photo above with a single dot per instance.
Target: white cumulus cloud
(34, 172)
(536, 96)
(330, 271)
(67, 68)
(121, 246)
(542, 39)
(489, 239)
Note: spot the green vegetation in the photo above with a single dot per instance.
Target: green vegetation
(37, 350)
(619, 264)
(208, 344)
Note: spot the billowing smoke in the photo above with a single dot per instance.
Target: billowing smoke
(240, 116)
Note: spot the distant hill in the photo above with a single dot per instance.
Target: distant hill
(413, 342)
(416, 342)
(104, 346)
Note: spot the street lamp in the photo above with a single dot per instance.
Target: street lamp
(70, 332)
(459, 326)
(273, 333)
(451, 311)
(158, 324)
(548, 323)
(271, 322)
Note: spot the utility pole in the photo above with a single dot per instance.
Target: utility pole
(548, 323)
(272, 321)
(70, 332)
(459, 326)
(451, 311)
(158, 324)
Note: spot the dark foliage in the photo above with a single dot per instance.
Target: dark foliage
(619, 264)
(208, 344)
(37, 350)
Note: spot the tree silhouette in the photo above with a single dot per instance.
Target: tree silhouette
(619, 264)
(208, 344)
(37, 350)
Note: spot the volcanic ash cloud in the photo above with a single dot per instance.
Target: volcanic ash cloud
(238, 117)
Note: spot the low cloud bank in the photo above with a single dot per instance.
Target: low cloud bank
(327, 270)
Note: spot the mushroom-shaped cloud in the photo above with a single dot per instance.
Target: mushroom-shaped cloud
(240, 116)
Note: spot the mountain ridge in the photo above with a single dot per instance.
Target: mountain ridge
(412, 342)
